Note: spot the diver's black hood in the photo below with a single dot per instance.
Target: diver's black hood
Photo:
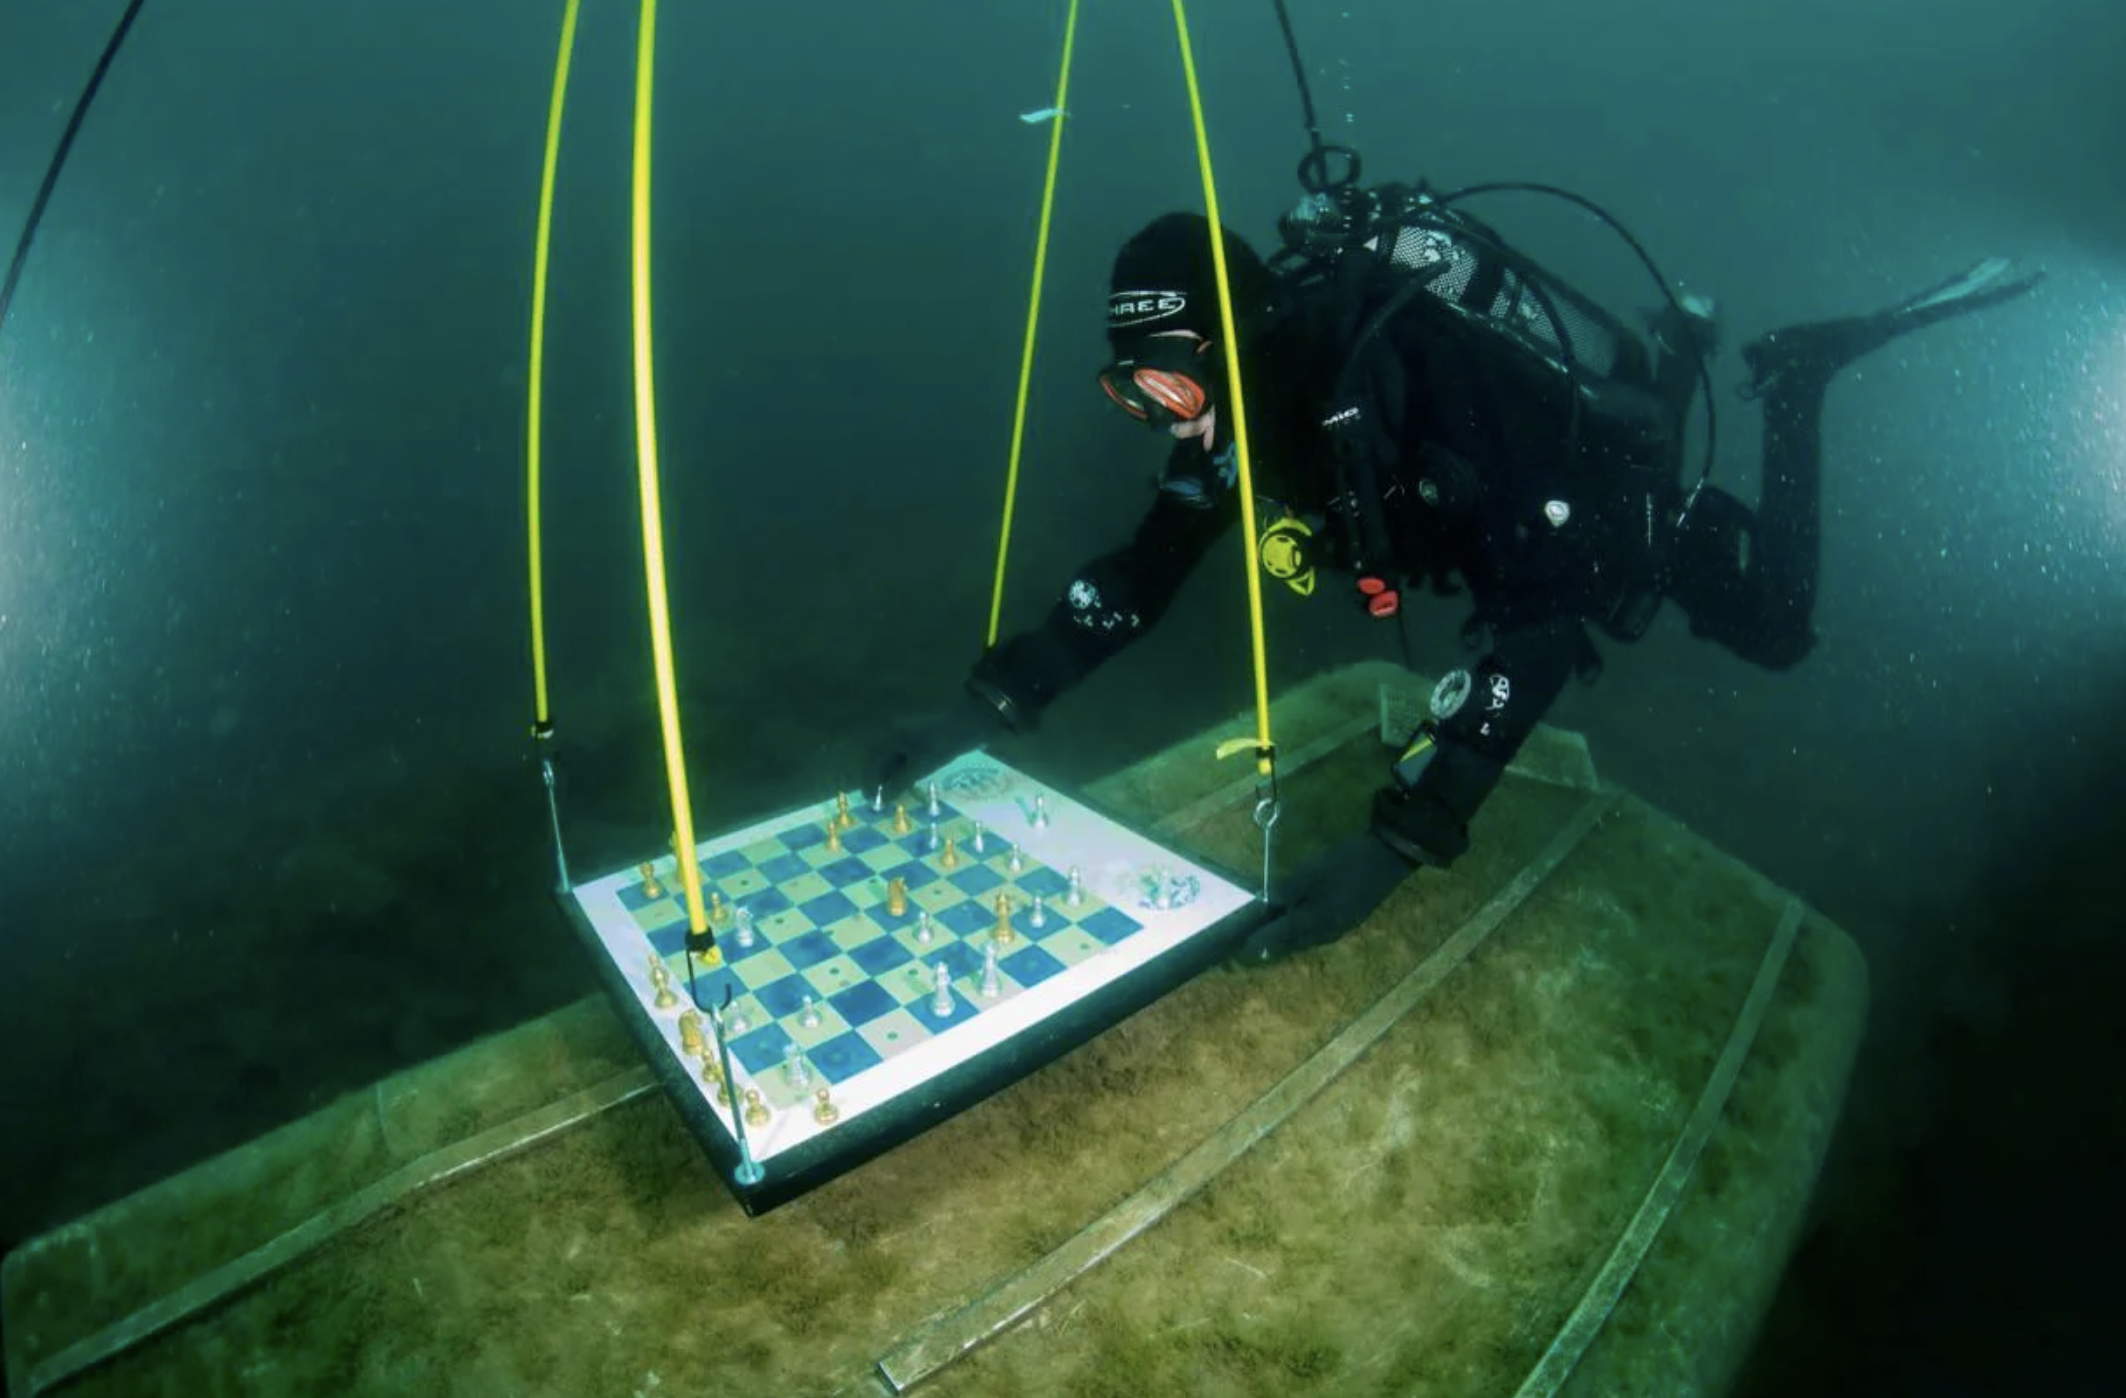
(1164, 279)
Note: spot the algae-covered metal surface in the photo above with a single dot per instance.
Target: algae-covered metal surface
(1423, 1159)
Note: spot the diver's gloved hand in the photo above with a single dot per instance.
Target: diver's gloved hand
(924, 743)
(1331, 896)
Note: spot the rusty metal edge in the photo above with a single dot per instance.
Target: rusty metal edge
(212, 1288)
(952, 1335)
(1577, 1335)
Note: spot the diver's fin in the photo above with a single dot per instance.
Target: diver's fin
(1806, 353)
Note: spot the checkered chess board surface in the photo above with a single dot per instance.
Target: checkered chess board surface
(838, 991)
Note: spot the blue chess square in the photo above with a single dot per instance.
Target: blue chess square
(913, 875)
(922, 1008)
(843, 872)
(709, 984)
(1029, 967)
(863, 1002)
(966, 919)
(843, 1057)
(880, 955)
(761, 1049)
(783, 997)
(1111, 925)
(782, 868)
(861, 839)
(827, 909)
(727, 943)
(670, 939)
(1045, 883)
(961, 960)
(975, 881)
(803, 836)
(717, 865)
(917, 843)
(767, 903)
(810, 950)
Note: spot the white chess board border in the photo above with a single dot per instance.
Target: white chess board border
(1112, 861)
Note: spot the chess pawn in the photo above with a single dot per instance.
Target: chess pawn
(794, 1066)
(901, 824)
(1040, 811)
(745, 934)
(923, 930)
(979, 842)
(1075, 895)
(992, 987)
(756, 1110)
(1039, 916)
(719, 911)
(823, 1109)
(661, 982)
(941, 990)
(712, 1074)
(650, 887)
(951, 857)
(842, 817)
(834, 836)
(1017, 862)
(936, 809)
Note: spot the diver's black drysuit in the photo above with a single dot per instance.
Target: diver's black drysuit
(1552, 518)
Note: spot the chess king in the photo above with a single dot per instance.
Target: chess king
(1427, 406)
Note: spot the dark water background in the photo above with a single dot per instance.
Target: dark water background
(266, 831)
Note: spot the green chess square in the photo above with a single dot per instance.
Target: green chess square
(764, 850)
(661, 913)
(1073, 945)
(883, 857)
(831, 1025)
(908, 984)
(765, 967)
(937, 895)
(894, 1032)
(742, 883)
(853, 932)
(835, 975)
(805, 887)
(785, 925)
(940, 937)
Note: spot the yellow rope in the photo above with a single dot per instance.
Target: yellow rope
(540, 261)
(1033, 319)
(646, 471)
(1263, 748)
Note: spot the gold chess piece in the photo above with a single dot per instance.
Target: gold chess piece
(661, 982)
(823, 1109)
(951, 857)
(1003, 932)
(897, 897)
(834, 835)
(712, 1072)
(842, 818)
(650, 887)
(901, 824)
(719, 911)
(692, 1042)
(756, 1110)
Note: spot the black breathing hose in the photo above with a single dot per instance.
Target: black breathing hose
(59, 155)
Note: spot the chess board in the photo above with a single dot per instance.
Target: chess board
(880, 984)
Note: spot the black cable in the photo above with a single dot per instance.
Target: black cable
(1705, 375)
(1299, 74)
(59, 155)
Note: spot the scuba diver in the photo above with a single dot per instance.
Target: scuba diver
(1424, 404)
